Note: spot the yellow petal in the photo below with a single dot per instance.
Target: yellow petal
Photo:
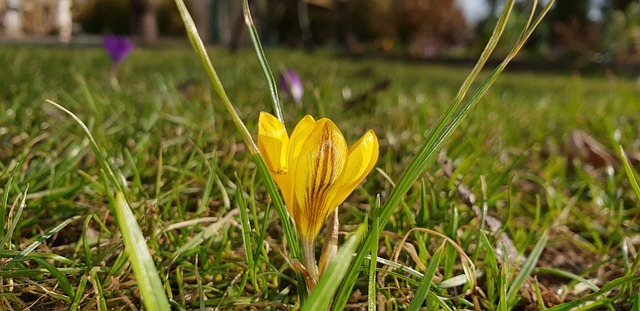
(298, 137)
(362, 157)
(273, 142)
(320, 162)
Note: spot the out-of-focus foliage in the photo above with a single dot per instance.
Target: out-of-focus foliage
(428, 27)
(105, 16)
(621, 38)
(576, 32)
(569, 11)
(169, 22)
(572, 34)
(536, 46)
(115, 16)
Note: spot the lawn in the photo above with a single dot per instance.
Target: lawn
(546, 228)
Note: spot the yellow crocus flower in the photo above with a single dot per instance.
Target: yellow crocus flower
(314, 169)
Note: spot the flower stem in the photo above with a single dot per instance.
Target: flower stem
(309, 253)
(113, 75)
(330, 247)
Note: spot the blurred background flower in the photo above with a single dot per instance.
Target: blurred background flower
(291, 85)
(118, 47)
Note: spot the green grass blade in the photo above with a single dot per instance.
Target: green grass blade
(440, 301)
(418, 164)
(64, 282)
(136, 182)
(492, 270)
(54, 193)
(262, 59)
(48, 256)
(201, 51)
(503, 289)
(84, 88)
(14, 222)
(5, 200)
(321, 296)
(206, 194)
(425, 283)
(375, 227)
(482, 60)
(539, 297)
(402, 268)
(203, 235)
(436, 139)
(196, 271)
(149, 283)
(458, 280)
(569, 275)
(85, 243)
(287, 225)
(629, 279)
(153, 294)
(527, 268)
(102, 161)
(20, 257)
(631, 175)
(289, 230)
(98, 286)
(246, 234)
(77, 298)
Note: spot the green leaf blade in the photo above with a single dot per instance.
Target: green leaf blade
(151, 289)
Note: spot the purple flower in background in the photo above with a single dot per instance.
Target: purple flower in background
(117, 47)
(291, 85)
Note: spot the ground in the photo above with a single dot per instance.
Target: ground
(548, 225)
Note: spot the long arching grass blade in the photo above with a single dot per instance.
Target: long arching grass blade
(149, 283)
(437, 137)
(262, 59)
(321, 296)
(201, 51)
(102, 161)
(526, 269)
(426, 281)
(628, 169)
(285, 221)
(14, 222)
(375, 227)
(616, 283)
(152, 291)
(21, 256)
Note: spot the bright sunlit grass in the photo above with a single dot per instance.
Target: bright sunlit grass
(545, 231)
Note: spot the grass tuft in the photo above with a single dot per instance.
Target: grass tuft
(548, 230)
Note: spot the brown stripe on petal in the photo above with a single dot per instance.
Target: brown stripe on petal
(322, 178)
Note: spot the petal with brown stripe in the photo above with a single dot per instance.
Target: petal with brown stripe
(362, 158)
(319, 164)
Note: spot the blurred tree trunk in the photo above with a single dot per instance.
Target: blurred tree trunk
(238, 35)
(143, 14)
(568, 11)
(620, 4)
(305, 25)
(202, 18)
(237, 26)
(348, 35)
